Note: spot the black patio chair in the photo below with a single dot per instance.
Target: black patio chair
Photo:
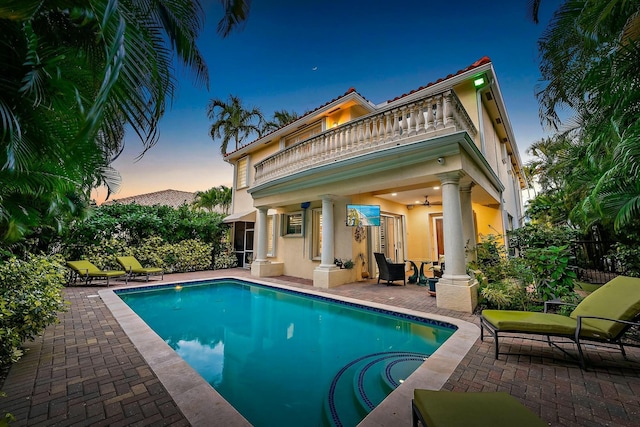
(389, 271)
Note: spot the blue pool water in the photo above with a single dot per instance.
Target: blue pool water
(284, 358)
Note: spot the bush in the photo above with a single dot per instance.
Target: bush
(30, 298)
(554, 278)
(188, 255)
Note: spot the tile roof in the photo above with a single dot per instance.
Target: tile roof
(479, 62)
(482, 61)
(173, 198)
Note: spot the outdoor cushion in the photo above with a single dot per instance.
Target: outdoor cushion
(130, 263)
(617, 299)
(529, 321)
(87, 268)
(133, 267)
(478, 409)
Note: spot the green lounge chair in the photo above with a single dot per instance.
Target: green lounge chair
(463, 409)
(133, 267)
(88, 272)
(603, 316)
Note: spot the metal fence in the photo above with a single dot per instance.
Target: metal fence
(594, 262)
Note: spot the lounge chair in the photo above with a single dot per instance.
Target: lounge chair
(463, 409)
(389, 271)
(603, 317)
(133, 268)
(88, 272)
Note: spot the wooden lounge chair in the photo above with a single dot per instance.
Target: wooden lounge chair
(389, 271)
(463, 409)
(603, 317)
(88, 272)
(133, 268)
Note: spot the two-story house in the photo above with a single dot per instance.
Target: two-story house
(433, 170)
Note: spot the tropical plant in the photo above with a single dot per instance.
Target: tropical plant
(280, 119)
(220, 196)
(30, 298)
(232, 121)
(554, 278)
(73, 75)
(589, 56)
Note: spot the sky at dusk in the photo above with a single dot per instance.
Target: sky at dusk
(298, 55)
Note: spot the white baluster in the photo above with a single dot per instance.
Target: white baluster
(412, 120)
(367, 132)
(430, 117)
(396, 125)
(439, 113)
(388, 128)
(374, 131)
(448, 110)
(420, 116)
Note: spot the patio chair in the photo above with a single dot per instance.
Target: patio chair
(133, 268)
(389, 271)
(478, 409)
(602, 317)
(88, 272)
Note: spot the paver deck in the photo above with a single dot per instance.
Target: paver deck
(86, 371)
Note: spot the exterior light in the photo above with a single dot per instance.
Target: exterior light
(394, 194)
(478, 82)
(436, 188)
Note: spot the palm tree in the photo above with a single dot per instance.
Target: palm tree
(216, 196)
(280, 119)
(73, 75)
(225, 197)
(589, 57)
(232, 121)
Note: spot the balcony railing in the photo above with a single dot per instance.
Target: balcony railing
(427, 117)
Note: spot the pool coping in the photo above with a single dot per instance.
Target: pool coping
(200, 403)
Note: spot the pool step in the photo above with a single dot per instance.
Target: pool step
(365, 382)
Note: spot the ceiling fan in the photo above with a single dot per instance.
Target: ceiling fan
(428, 203)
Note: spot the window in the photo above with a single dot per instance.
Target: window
(271, 236)
(241, 172)
(316, 238)
(306, 133)
(292, 224)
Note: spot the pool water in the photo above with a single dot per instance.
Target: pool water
(284, 358)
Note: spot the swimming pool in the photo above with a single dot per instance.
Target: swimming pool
(279, 361)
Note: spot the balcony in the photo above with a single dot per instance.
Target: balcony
(398, 124)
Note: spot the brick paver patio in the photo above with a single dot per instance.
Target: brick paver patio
(85, 370)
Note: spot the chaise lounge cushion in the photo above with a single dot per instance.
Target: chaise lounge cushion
(530, 322)
(88, 269)
(617, 299)
(478, 409)
(132, 265)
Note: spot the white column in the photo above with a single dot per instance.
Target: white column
(468, 228)
(327, 256)
(455, 266)
(261, 225)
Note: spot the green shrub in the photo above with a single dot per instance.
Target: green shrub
(187, 255)
(507, 294)
(554, 278)
(30, 298)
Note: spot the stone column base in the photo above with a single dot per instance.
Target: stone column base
(329, 278)
(459, 293)
(267, 269)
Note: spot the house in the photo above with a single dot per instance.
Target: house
(173, 198)
(440, 162)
